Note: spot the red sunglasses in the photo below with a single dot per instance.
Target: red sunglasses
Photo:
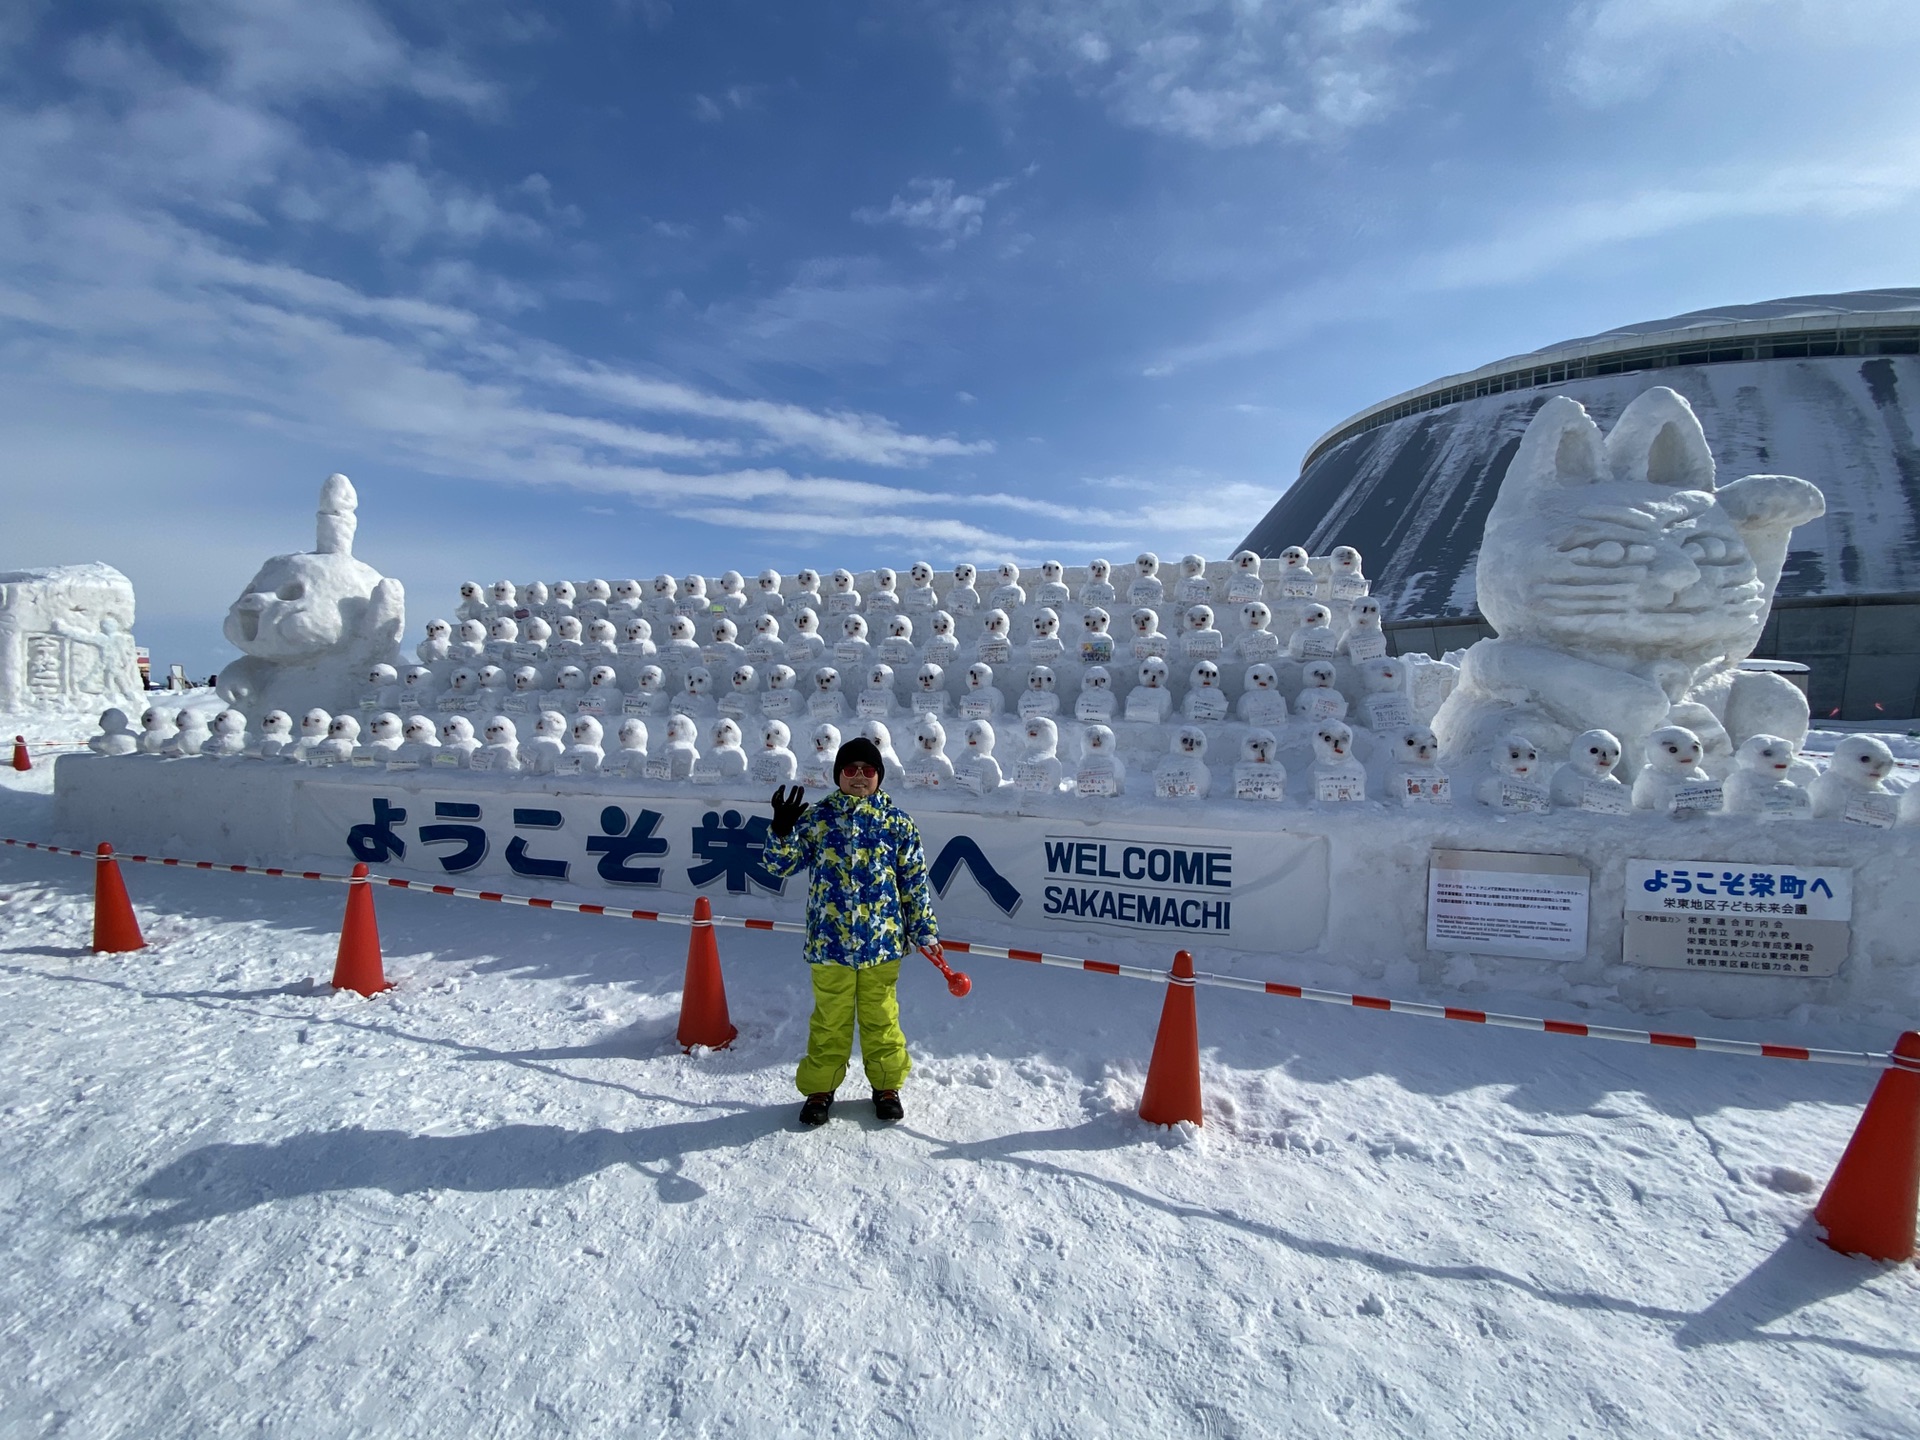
(858, 770)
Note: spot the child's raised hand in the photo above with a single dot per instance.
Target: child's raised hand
(789, 804)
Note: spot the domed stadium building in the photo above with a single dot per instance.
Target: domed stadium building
(1826, 387)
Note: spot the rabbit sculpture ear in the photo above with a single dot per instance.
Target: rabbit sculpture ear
(1658, 441)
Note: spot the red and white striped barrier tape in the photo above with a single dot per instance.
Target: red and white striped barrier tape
(1766, 1050)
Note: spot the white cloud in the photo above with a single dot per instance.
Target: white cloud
(931, 204)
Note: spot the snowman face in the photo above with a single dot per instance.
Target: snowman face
(439, 629)
(568, 628)
(1385, 674)
(1332, 741)
(1520, 758)
(774, 735)
(855, 627)
(1095, 621)
(538, 631)
(725, 632)
(472, 632)
(277, 724)
(1146, 564)
(743, 678)
(1255, 615)
(979, 737)
(781, 677)
(187, 720)
(1318, 617)
(1040, 678)
(1206, 676)
(418, 730)
(526, 679)
(1009, 573)
(733, 583)
(1862, 760)
(456, 730)
(1675, 748)
(344, 727)
(699, 681)
(1146, 622)
(633, 734)
(1153, 673)
(1200, 617)
(1042, 735)
(979, 677)
(1317, 675)
(768, 581)
(535, 594)
(1294, 558)
(995, 622)
(929, 735)
(564, 593)
(767, 626)
(826, 742)
(877, 733)
(900, 628)
(842, 582)
(232, 722)
(920, 573)
(313, 724)
(1096, 678)
(571, 677)
(627, 592)
(884, 580)
(504, 627)
(1418, 746)
(942, 625)
(585, 730)
(1190, 741)
(464, 682)
(601, 632)
(964, 575)
(880, 677)
(1262, 677)
(808, 581)
(930, 677)
(1346, 560)
(652, 679)
(1246, 562)
(665, 586)
(680, 628)
(1099, 570)
(1599, 752)
(492, 677)
(695, 585)
(603, 677)
(1051, 571)
(827, 678)
(1192, 566)
(1257, 748)
(1099, 740)
(806, 622)
(503, 592)
(680, 730)
(1364, 613)
(638, 631)
(726, 735)
(470, 590)
(381, 675)
(1045, 625)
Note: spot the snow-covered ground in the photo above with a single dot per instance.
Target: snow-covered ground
(499, 1201)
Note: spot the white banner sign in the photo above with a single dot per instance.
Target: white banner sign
(1744, 917)
(1494, 903)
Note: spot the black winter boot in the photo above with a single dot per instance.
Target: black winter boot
(814, 1112)
(886, 1105)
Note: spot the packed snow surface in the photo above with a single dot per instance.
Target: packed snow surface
(499, 1201)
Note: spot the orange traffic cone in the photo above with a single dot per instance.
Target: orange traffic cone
(1870, 1203)
(115, 930)
(21, 760)
(1173, 1075)
(703, 999)
(357, 966)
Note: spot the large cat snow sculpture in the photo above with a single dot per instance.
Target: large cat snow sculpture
(1626, 588)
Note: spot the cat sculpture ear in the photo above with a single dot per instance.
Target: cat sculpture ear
(1561, 449)
(1658, 440)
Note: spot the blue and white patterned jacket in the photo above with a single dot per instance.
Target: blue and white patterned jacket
(869, 901)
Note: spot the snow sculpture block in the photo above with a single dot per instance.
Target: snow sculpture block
(66, 639)
(1627, 587)
(311, 625)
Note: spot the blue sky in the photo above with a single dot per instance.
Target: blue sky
(621, 286)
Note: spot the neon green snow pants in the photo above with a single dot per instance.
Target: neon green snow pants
(842, 994)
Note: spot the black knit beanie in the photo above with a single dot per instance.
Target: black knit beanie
(862, 750)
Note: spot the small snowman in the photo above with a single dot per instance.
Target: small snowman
(650, 692)
(1417, 778)
(1515, 784)
(1364, 639)
(417, 687)
(1313, 637)
(1256, 642)
(503, 633)
(313, 730)
(884, 599)
(541, 751)
(882, 738)
(680, 753)
(1039, 771)
(1193, 587)
(943, 646)
(418, 742)
(827, 701)
(1052, 590)
(816, 773)
(458, 744)
(506, 597)
(853, 650)
(1148, 639)
(877, 700)
(275, 737)
(742, 684)
(1199, 640)
(929, 767)
(696, 694)
(767, 594)
(569, 689)
(438, 646)
(603, 641)
(843, 599)
(1151, 701)
(1101, 772)
(474, 603)
(1761, 783)
(929, 695)
(1046, 646)
(1099, 587)
(1384, 705)
(385, 735)
(1146, 587)
(470, 641)
(977, 770)
(343, 737)
(982, 700)
(1040, 696)
(1590, 780)
(1205, 702)
(630, 760)
(1672, 782)
(693, 596)
(1853, 787)
(156, 730)
(1261, 702)
(1259, 775)
(229, 737)
(725, 759)
(629, 596)
(1096, 637)
(116, 735)
(805, 647)
(767, 643)
(1243, 581)
(1338, 778)
(190, 735)
(680, 654)
(806, 590)
(1345, 579)
(1095, 703)
(963, 599)
(775, 763)
(1007, 594)
(723, 649)
(666, 597)
(733, 591)
(586, 754)
(1183, 775)
(603, 696)
(897, 648)
(1318, 700)
(994, 646)
(781, 699)
(920, 597)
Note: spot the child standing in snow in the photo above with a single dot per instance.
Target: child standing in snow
(867, 906)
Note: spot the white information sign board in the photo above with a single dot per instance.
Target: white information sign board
(1747, 917)
(1496, 903)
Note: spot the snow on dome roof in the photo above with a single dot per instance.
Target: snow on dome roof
(1793, 307)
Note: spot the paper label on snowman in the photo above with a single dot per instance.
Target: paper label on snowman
(1206, 704)
(843, 603)
(1258, 645)
(802, 651)
(1365, 645)
(826, 707)
(1094, 707)
(736, 704)
(941, 651)
(1298, 585)
(1606, 797)
(993, 650)
(706, 771)
(1243, 587)
(1425, 787)
(1143, 706)
(875, 705)
(369, 705)
(365, 762)
(1145, 592)
(850, 652)
(1259, 782)
(526, 654)
(1349, 587)
(1203, 644)
(883, 602)
(1146, 647)
(1525, 796)
(971, 780)
(817, 778)
(1096, 650)
(1782, 802)
(1098, 592)
(637, 705)
(1702, 795)
(519, 704)
(1322, 704)
(1263, 707)
(1879, 811)
(920, 778)
(929, 702)
(896, 651)
(591, 705)
(659, 768)
(1339, 787)
(684, 704)
(777, 704)
(447, 760)
(481, 760)
(570, 765)
(635, 649)
(396, 766)
(919, 600)
(976, 707)
(769, 768)
(1195, 590)
(1035, 775)
(1388, 713)
(1045, 650)
(1181, 784)
(1096, 778)
(713, 657)
(1319, 645)
(1038, 702)
(963, 601)
(691, 605)
(1008, 598)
